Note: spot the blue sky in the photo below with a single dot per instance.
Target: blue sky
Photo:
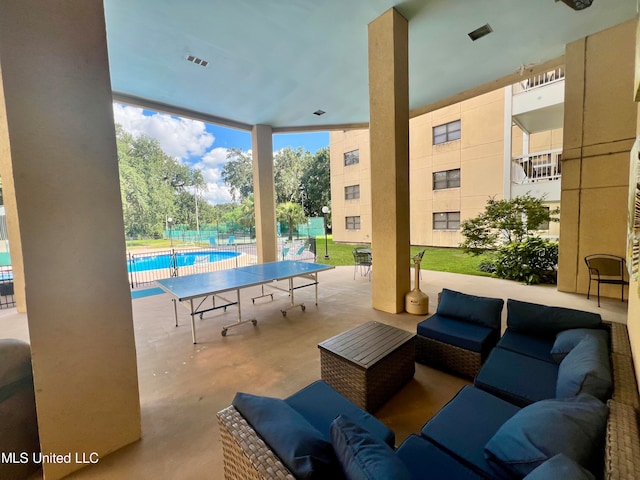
(204, 146)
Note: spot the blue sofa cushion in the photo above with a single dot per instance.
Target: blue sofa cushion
(559, 466)
(320, 404)
(362, 455)
(574, 427)
(469, 336)
(545, 321)
(426, 461)
(567, 339)
(300, 446)
(536, 347)
(470, 308)
(586, 369)
(517, 378)
(464, 425)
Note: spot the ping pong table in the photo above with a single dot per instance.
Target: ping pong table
(192, 291)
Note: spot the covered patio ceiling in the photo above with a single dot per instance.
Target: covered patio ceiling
(276, 62)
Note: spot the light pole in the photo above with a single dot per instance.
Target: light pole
(169, 221)
(325, 210)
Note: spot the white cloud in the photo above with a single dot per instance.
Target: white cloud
(179, 137)
(211, 167)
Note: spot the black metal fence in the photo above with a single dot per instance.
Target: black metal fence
(7, 298)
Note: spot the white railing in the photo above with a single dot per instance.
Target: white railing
(539, 80)
(537, 167)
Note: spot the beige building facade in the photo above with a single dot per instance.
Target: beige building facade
(457, 162)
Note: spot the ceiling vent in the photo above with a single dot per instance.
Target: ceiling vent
(197, 61)
(319, 112)
(480, 32)
(577, 4)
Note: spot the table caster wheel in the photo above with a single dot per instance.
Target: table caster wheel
(201, 316)
(255, 322)
(303, 307)
(225, 309)
(224, 332)
(284, 313)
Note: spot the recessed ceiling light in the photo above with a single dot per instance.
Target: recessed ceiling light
(480, 32)
(197, 61)
(319, 112)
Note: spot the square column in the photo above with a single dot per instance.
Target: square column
(389, 140)
(59, 143)
(264, 193)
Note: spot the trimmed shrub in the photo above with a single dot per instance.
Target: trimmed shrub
(528, 261)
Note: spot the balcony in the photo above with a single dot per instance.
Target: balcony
(537, 173)
(538, 102)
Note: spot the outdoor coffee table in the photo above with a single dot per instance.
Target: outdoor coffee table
(368, 363)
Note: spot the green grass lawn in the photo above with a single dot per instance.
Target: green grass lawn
(451, 260)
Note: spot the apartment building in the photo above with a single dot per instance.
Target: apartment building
(501, 144)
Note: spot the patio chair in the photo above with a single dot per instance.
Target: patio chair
(231, 240)
(362, 261)
(607, 269)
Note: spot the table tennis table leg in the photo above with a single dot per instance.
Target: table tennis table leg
(175, 310)
(239, 321)
(193, 322)
(316, 282)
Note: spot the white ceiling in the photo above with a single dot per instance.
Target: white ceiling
(275, 62)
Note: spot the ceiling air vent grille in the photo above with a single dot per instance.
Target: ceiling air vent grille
(197, 61)
(480, 32)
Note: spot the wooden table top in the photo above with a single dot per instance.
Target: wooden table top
(367, 344)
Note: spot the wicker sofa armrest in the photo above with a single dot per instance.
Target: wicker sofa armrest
(622, 443)
(245, 455)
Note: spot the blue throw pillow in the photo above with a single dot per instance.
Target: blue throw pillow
(568, 339)
(574, 427)
(544, 321)
(484, 311)
(561, 467)
(585, 369)
(300, 447)
(362, 455)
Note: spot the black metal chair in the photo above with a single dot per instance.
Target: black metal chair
(363, 261)
(606, 269)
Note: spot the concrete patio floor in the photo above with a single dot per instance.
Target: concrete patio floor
(182, 385)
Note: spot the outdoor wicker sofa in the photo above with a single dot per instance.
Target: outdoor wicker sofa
(247, 456)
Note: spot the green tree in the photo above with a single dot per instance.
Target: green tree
(247, 217)
(292, 214)
(289, 167)
(316, 180)
(237, 173)
(504, 222)
(153, 185)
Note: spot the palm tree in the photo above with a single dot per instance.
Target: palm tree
(247, 216)
(292, 214)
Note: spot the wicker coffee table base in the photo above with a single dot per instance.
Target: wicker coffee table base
(369, 388)
(447, 357)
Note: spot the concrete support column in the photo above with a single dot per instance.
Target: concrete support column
(389, 140)
(59, 162)
(508, 133)
(264, 193)
(599, 131)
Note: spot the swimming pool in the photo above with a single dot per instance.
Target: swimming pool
(155, 262)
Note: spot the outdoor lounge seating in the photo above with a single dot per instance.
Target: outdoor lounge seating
(460, 335)
(362, 261)
(477, 434)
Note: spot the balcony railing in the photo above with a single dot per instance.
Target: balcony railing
(537, 167)
(539, 80)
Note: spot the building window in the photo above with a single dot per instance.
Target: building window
(446, 179)
(352, 192)
(446, 133)
(352, 223)
(351, 158)
(446, 221)
(544, 225)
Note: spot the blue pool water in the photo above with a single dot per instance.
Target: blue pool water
(183, 260)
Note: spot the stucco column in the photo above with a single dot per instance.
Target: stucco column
(389, 140)
(264, 193)
(58, 120)
(599, 131)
